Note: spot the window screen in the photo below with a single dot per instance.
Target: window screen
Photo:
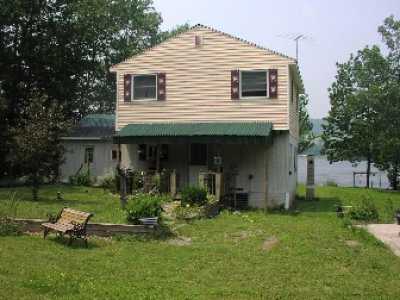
(144, 87)
(253, 83)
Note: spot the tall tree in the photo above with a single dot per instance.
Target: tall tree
(389, 153)
(351, 129)
(305, 126)
(62, 50)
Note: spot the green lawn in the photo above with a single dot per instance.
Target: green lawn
(102, 204)
(313, 258)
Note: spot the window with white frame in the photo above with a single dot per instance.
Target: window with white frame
(144, 87)
(254, 84)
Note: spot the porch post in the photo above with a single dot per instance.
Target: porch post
(266, 178)
(172, 182)
(158, 150)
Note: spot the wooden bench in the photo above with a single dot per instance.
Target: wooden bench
(71, 222)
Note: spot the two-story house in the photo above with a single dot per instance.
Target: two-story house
(205, 101)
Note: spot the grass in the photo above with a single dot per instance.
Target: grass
(225, 259)
(385, 201)
(102, 204)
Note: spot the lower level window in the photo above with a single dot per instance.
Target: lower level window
(89, 154)
(149, 152)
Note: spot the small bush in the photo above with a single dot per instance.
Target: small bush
(144, 206)
(331, 183)
(82, 178)
(193, 195)
(366, 211)
(110, 183)
(7, 225)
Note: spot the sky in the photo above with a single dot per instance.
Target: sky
(333, 30)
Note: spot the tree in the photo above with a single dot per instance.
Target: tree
(37, 151)
(111, 31)
(62, 50)
(351, 129)
(305, 126)
(388, 157)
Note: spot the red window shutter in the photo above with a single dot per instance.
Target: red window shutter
(235, 84)
(127, 87)
(273, 83)
(161, 86)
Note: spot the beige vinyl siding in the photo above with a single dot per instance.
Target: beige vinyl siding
(199, 82)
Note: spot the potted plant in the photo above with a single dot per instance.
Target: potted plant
(397, 216)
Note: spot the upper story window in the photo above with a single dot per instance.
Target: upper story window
(254, 84)
(144, 87)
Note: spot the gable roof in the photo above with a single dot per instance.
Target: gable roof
(292, 61)
(213, 30)
(93, 126)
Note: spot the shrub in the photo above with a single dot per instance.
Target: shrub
(366, 211)
(7, 225)
(110, 183)
(331, 183)
(193, 195)
(144, 206)
(82, 178)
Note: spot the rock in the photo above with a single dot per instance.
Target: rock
(180, 241)
(352, 243)
(270, 243)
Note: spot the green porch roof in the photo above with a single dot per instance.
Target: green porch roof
(198, 132)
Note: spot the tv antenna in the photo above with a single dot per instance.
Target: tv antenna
(296, 38)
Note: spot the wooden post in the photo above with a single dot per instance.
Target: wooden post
(266, 179)
(310, 187)
(218, 186)
(158, 150)
(172, 182)
(122, 180)
(201, 181)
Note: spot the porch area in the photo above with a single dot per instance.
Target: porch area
(232, 161)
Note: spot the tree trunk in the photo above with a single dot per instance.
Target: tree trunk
(35, 188)
(368, 172)
(395, 174)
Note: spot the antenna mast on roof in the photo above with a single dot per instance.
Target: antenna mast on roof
(296, 39)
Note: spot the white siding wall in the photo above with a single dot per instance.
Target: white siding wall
(279, 167)
(75, 155)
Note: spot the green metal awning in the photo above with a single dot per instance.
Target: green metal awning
(215, 132)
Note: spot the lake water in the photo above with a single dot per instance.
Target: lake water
(340, 173)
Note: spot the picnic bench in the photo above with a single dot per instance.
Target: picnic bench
(71, 222)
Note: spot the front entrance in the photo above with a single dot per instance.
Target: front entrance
(197, 162)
